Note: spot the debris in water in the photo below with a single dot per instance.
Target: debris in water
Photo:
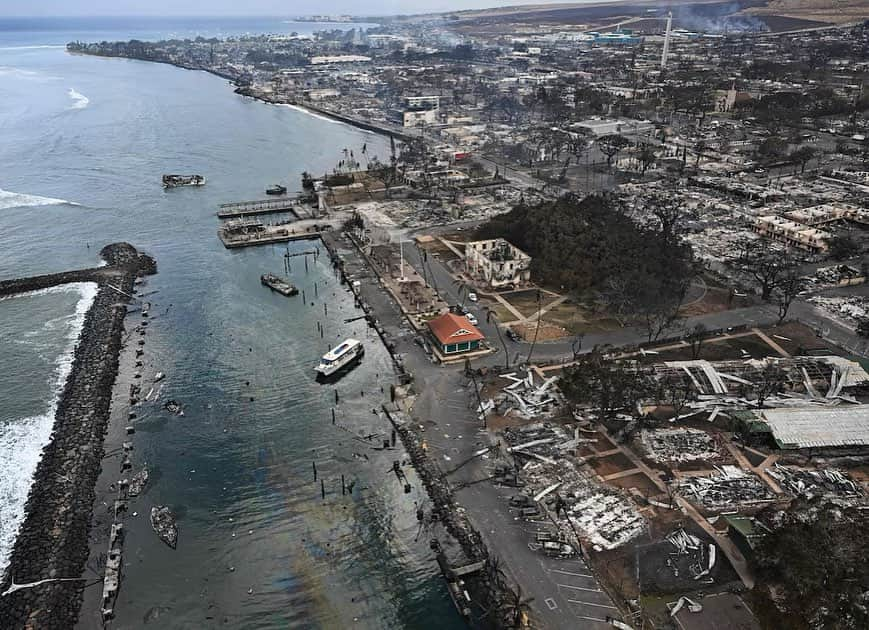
(174, 406)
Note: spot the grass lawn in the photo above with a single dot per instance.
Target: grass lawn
(577, 319)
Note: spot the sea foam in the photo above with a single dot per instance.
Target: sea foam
(79, 100)
(22, 441)
(9, 199)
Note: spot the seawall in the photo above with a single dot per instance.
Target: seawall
(52, 542)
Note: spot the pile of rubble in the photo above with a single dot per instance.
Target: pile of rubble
(832, 276)
(731, 486)
(815, 483)
(605, 517)
(691, 555)
(720, 385)
(544, 442)
(849, 307)
(608, 519)
(524, 398)
(679, 445)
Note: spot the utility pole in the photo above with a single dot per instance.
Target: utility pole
(401, 253)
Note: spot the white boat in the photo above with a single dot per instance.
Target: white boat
(341, 355)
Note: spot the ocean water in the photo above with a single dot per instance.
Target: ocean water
(38, 335)
(84, 143)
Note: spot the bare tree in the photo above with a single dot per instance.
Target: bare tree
(767, 267)
(789, 286)
(770, 381)
(611, 145)
(695, 338)
(646, 157)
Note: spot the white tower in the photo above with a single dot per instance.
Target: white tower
(666, 41)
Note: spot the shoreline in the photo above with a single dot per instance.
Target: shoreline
(458, 529)
(246, 91)
(52, 541)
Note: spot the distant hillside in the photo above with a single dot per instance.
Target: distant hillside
(831, 11)
(706, 15)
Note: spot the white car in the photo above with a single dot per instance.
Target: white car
(472, 297)
(471, 318)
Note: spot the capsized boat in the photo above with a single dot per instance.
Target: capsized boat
(163, 522)
(342, 355)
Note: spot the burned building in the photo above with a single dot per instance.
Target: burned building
(497, 262)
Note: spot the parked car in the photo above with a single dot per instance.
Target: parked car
(472, 297)
(472, 319)
(520, 500)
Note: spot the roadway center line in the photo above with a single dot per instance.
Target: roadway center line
(571, 573)
(576, 601)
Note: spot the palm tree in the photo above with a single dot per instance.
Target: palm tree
(490, 317)
(463, 288)
(515, 607)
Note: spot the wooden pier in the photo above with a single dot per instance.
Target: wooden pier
(241, 209)
(265, 238)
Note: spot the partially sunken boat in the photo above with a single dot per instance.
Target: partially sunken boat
(163, 522)
(138, 482)
(276, 283)
(173, 181)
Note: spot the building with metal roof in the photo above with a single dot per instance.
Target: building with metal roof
(818, 427)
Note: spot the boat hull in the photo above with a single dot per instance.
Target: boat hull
(339, 369)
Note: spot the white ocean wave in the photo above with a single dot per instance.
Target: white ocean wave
(9, 199)
(22, 441)
(79, 100)
(310, 113)
(6, 71)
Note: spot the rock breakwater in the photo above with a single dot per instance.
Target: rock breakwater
(41, 586)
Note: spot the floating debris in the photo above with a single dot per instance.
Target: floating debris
(163, 522)
(173, 406)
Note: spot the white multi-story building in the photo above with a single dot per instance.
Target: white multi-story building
(497, 262)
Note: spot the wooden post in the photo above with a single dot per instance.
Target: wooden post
(314, 464)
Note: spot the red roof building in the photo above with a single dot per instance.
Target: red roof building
(454, 333)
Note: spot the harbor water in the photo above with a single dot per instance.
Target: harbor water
(85, 142)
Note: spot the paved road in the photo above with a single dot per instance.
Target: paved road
(564, 592)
